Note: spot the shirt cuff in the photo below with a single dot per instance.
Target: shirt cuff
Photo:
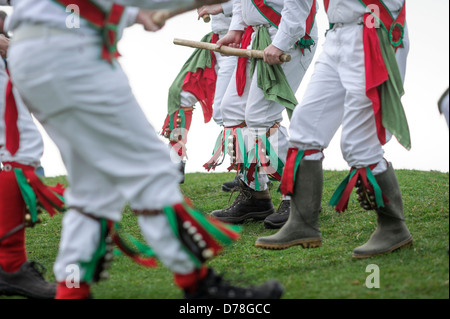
(131, 16)
(283, 41)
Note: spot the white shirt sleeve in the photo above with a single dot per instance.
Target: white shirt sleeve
(154, 4)
(227, 8)
(237, 22)
(131, 16)
(293, 23)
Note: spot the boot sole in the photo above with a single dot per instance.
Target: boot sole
(7, 290)
(239, 220)
(404, 244)
(305, 243)
(277, 291)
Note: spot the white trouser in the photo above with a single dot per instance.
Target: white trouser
(252, 107)
(111, 152)
(154, 229)
(258, 112)
(31, 144)
(224, 69)
(336, 95)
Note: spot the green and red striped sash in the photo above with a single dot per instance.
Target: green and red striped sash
(105, 22)
(393, 26)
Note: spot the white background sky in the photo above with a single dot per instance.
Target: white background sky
(152, 62)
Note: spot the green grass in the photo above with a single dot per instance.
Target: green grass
(330, 272)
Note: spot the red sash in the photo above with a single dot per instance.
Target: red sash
(105, 22)
(327, 4)
(12, 141)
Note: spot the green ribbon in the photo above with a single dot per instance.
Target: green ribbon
(91, 266)
(340, 190)
(394, 117)
(378, 193)
(28, 194)
(241, 143)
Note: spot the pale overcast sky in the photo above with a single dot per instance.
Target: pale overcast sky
(152, 62)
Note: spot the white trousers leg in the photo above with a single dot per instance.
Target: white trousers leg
(76, 246)
(165, 245)
(31, 145)
(89, 107)
(336, 95)
(111, 152)
(259, 113)
(225, 68)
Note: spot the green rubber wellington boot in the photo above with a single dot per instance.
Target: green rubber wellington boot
(302, 227)
(391, 233)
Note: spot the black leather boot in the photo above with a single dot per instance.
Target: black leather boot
(214, 287)
(249, 204)
(280, 217)
(28, 282)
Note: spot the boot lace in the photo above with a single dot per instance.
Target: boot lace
(243, 195)
(38, 269)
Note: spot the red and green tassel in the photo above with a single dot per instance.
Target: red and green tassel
(219, 153)
(203, 237)
(341, 197)
(35, 193)
(293, 160)
(139, 252)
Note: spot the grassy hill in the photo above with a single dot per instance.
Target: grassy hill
(330, 272)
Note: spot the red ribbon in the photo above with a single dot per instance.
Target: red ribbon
(241, 72)
(327, 4)
(45, 195)
(288, 179)
(11, 117)
(376, 74)
(202, 84)
(361, 172)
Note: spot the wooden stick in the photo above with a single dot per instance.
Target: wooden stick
(160, 17)
(256, 54)
(206, 18)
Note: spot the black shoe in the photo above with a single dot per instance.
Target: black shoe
(214, 287)
(183, 171)
(249, 204)
(278, 219)
(229, 186)
(28, 282)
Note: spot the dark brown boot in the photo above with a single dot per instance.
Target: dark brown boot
(249, 204)
(280, 217)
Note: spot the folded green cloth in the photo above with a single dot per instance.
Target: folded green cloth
(271, 78)
(391, 91)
